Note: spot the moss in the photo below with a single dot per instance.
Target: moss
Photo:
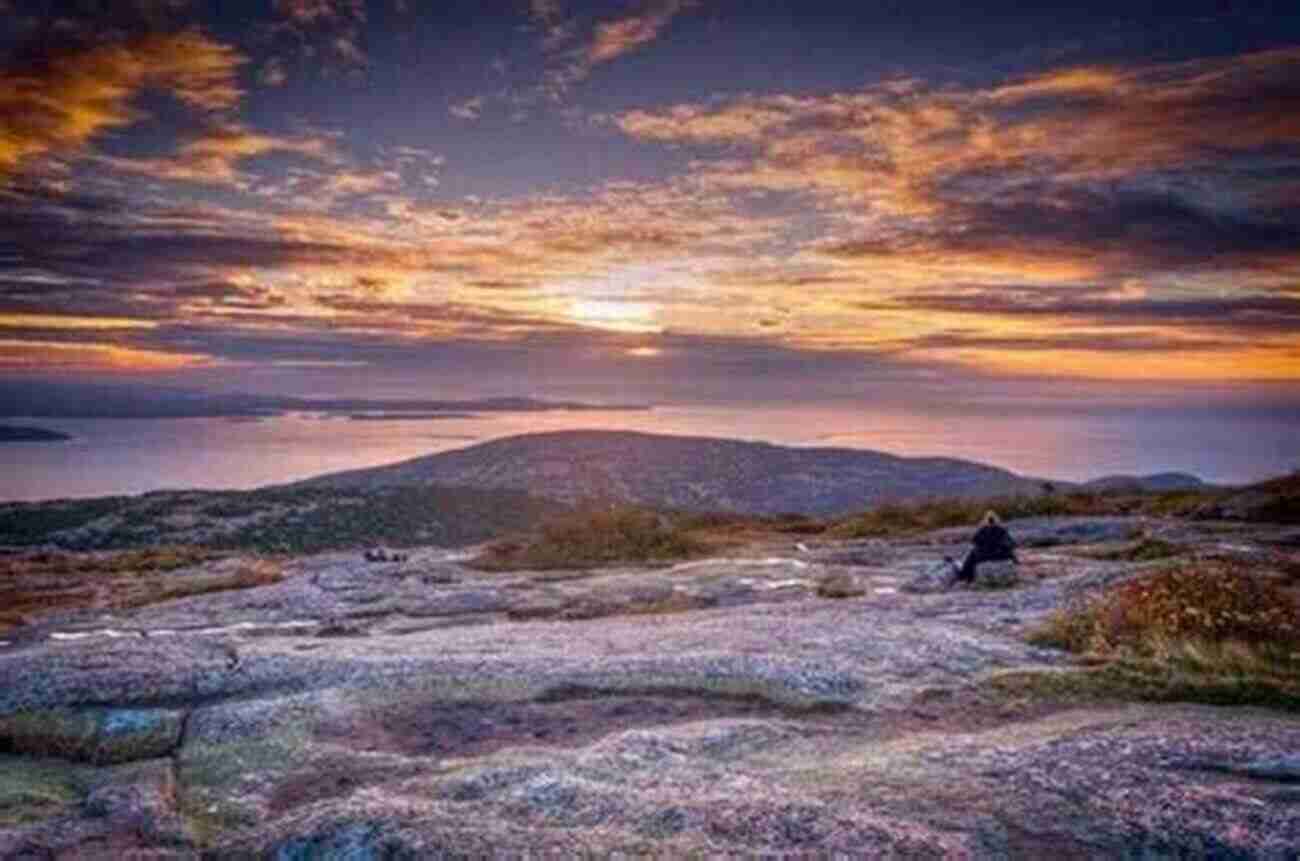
(214, 799)
(96, 735)
(33, 790)
(1150, 681)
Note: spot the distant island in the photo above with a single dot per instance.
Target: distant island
(409, 417)
(117, 401)
(19, 433)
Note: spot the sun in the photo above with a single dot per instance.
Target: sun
(614, 316)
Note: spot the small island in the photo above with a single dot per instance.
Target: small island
(18, 433)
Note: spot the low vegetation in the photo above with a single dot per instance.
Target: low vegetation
(275, 520)
(911, 518)
(150, 560)
(36, 584)
(301, 520)
(597, 537)
(1144, 549)
(1274, 501)
(1207, 630)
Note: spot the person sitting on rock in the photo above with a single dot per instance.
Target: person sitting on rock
(992, 543)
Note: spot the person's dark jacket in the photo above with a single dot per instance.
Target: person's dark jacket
(992, 543)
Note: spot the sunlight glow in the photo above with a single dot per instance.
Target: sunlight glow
(615, 316)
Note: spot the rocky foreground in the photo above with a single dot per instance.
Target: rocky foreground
(798, 699)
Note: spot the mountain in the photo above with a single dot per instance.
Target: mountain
(1160, 482)
(691, 473)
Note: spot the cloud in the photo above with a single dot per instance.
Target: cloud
(273, 73)
(470, 109)
(1098, 227)
(613, 39)
(214, 156)
(348, 49)
(59, 106)
(321, 11)
(324, 27)
(904, 228)
(54, 357)
(528, 258)
(1242, 317)
(903, 144)
(549, 17)
(1077, 173)
(570, 63)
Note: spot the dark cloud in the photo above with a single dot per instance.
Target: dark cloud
(56, 104)
(1239, 315)
(1051, 342)
(1132, 229)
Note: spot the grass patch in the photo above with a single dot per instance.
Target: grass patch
(594, 538)
(248, 574)
(1205, 631)
(1145, 549)
(1130, 680)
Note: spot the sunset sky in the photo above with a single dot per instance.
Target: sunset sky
(669, 199)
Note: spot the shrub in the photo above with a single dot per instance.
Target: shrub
(1201, 603)
(596, 537)
(1208, 631)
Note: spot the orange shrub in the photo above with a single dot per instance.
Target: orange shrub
(1205, 601)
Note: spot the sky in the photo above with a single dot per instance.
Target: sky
(674, 200)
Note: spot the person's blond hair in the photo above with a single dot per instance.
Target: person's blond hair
(991, 518)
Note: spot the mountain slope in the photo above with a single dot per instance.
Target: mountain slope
(691, 473)
(1160, 482)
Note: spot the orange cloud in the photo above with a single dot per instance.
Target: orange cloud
(47, 356)
(61, 106)
(613, 39)
(215, 155)
(894, 145)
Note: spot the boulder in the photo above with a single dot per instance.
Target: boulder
(997, 575)
(382, 554)
(937, 578)
(841, 585)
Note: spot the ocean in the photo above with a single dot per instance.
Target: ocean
(128, 456)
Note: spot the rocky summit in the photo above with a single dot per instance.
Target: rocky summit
(797, 698)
